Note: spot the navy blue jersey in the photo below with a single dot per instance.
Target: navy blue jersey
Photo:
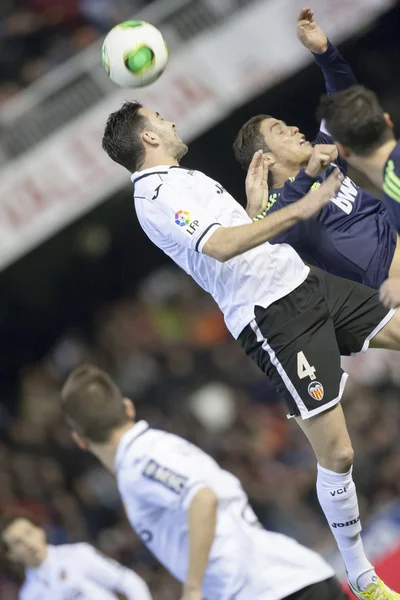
(351, 237)
(391, 187)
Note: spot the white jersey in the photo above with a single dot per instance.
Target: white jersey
(179, 210)
(79, 572)
(158, 476)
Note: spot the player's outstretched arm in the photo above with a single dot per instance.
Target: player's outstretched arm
(337, 73)
(111, 575)
(202, 520)
(227, 242)
(310, 34)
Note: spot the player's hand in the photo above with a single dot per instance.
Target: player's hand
(389, 293)
(309, 33)
(314, 201)
(257, 185)
(191, 593)
(321, 157)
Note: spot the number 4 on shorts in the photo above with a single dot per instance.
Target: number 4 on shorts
(304, 369)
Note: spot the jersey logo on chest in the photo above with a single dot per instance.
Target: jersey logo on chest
(346, 196)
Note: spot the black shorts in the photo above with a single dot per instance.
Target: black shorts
(298, 340)
(325, 590)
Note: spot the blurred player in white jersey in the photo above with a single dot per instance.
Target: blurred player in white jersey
(191, 514)
(67, 572)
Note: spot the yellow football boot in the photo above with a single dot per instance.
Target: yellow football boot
(375, 591)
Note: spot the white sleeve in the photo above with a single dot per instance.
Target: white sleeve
(111, 575)
(172, 476)
(177, 214)
(25, 593)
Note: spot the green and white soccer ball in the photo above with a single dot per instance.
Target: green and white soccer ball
(134, 54)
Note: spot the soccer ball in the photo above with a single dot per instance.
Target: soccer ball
(134, 54)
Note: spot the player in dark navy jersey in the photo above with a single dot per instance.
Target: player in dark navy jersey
(364, 135)
(352, 236)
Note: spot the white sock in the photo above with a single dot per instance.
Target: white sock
(338, 498)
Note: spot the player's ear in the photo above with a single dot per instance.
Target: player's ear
(344, 151)
(388, 120)
(151, 138)
(130, 409)
(269, 159)
(79, 441)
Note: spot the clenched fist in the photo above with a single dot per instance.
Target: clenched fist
(321, 158)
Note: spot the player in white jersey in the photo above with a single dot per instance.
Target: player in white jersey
(191, 514)
(294, 322)
(67, 572)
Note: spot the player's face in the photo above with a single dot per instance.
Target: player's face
(166, 130)
(26, 543)
(287, 143)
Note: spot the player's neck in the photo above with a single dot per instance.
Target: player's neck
(41, 560)
(284, 172)
(106, 452)
(374, 164)
(157, 160)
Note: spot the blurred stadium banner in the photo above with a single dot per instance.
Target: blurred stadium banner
(54, 169)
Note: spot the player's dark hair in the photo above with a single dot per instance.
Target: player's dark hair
(121, 138)
(248, 140)
(92, 403)
(355, 118)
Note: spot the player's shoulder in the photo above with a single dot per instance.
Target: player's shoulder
(138, 450)
(393, 163)
(156, 451)
(193, 179)
(166, 442)
(391, 177)
(152, 187)
(159, 447)
(71, 551)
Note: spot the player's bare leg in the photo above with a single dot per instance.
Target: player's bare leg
(337, 495)
(389, 336)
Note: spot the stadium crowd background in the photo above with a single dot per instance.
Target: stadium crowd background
(162, 338)
(38, 35)
(168, 349)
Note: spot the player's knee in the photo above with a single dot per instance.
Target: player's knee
(339, 458)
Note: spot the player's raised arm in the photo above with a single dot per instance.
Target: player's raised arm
(337, 73)
(257, 186)
(202, 520)
(227, 242)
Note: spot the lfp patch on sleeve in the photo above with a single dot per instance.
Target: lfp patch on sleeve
(168, 478)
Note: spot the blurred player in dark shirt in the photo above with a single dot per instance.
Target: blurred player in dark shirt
(364, 135)
(352, 236)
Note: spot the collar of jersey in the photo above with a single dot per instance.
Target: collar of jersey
(159, 170)
(127, 439)
(46, 564)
